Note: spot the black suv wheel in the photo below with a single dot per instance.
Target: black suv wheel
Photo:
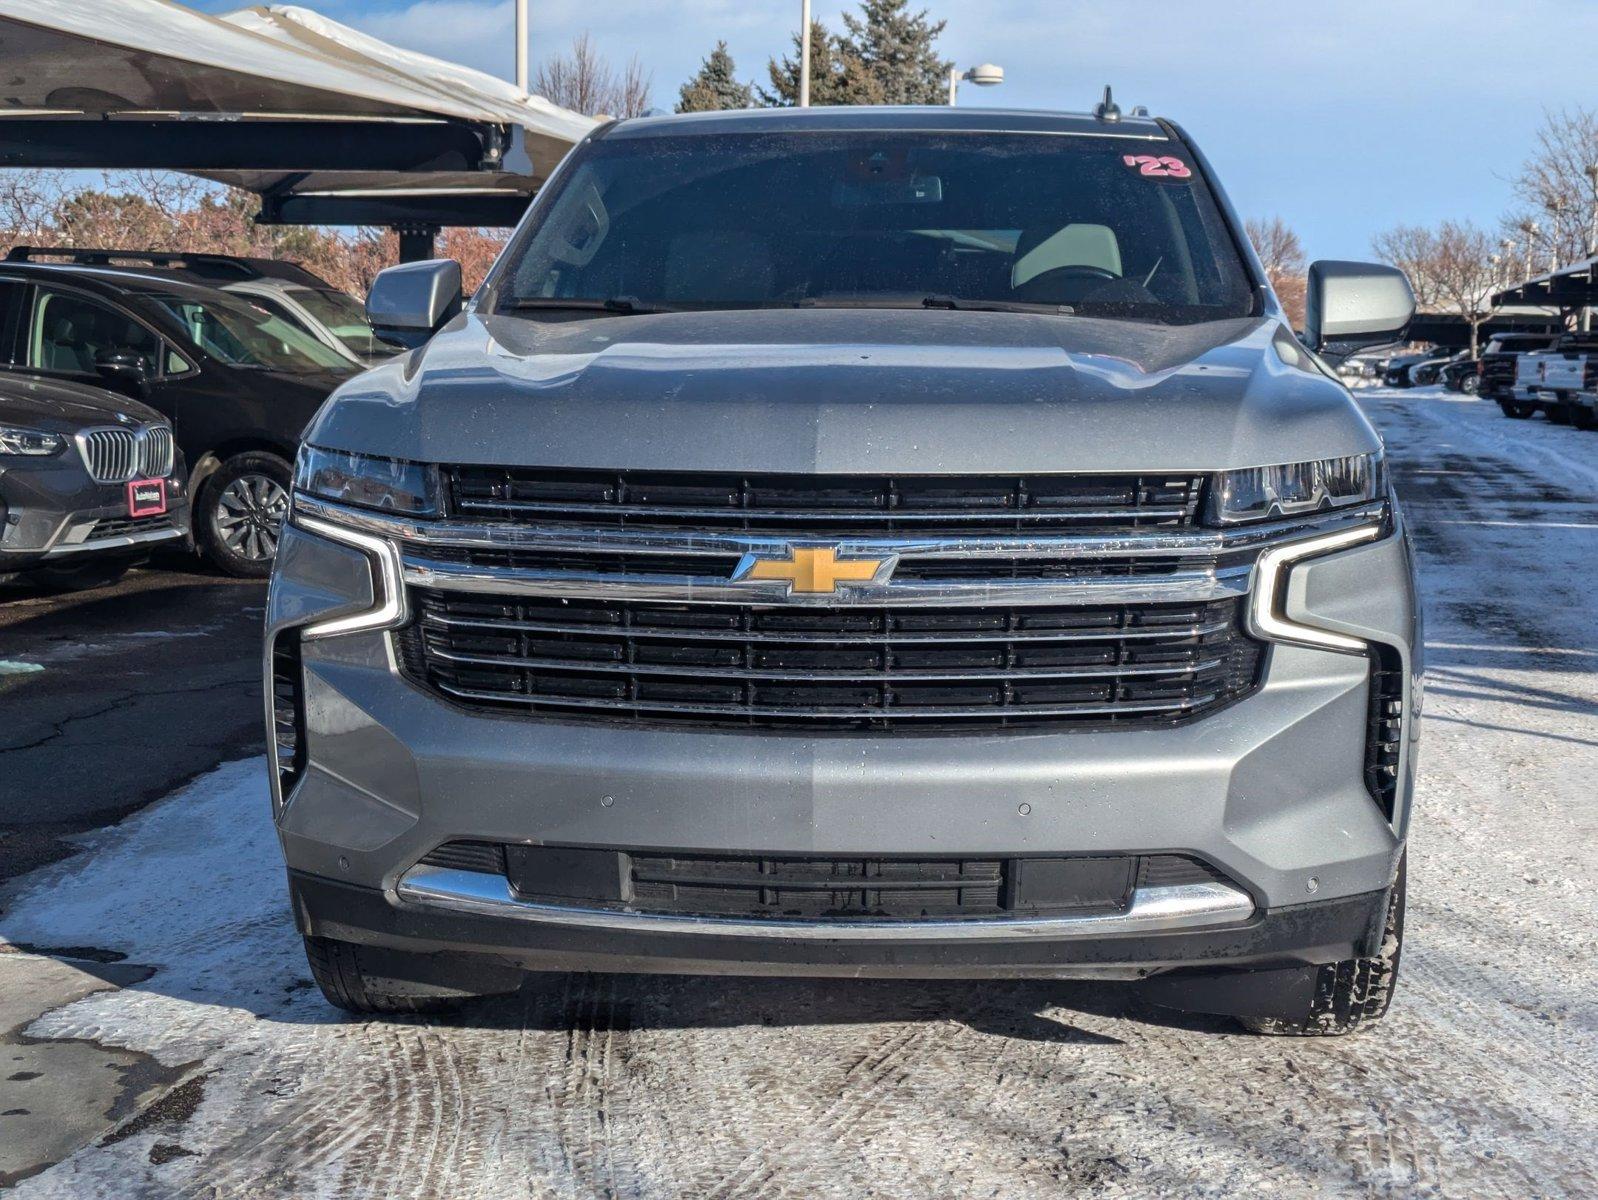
(239, 512)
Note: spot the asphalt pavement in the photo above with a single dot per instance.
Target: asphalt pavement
(113, 697)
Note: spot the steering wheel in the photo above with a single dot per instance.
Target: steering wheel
(1070, 271)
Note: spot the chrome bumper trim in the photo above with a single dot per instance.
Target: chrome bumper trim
(61, 549)
(1153, 910)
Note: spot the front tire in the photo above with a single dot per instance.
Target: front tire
(1352, 994)
(240, 511)
(378, 982)
(1470, 385)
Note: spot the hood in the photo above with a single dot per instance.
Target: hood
(59, 406)
(865, 390)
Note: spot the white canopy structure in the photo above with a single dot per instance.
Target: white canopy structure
(326, 124)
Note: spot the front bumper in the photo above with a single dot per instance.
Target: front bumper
(52, 512)
(1270, 791)
(1268, 939)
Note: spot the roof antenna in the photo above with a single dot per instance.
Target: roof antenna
(1108, 109)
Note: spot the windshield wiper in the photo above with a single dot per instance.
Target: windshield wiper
(621, 305)
(936, 301)
(1018, 306)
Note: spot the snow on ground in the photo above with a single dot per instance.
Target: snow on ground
(1480, 1083)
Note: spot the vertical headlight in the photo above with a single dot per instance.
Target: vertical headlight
(1260, 493)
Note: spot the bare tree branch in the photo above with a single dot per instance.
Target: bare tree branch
(1282, 255)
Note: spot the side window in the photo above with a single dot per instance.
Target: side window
(67, 332)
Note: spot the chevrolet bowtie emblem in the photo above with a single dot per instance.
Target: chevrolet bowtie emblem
(815, 570)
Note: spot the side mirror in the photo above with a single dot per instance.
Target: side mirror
(409, 303)
(124, 369)
(1353, 306)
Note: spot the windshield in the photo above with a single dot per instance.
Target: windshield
(245, 336)
(1096, 226)
(345, 319)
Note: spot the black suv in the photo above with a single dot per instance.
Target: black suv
(237, 383)
(1497, 374)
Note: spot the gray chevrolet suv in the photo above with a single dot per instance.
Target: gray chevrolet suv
(856, 542)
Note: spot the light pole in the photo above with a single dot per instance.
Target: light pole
(804, 54)
(521, 44)
(987, 75)
(1529, 228)
(1592, 224)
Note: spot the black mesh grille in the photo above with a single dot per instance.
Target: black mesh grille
(1385, 732)
(823, 887)
(891, 668)
(288, 711)
(487, 857)
(112, 527)
(818, 887)
(821, 505)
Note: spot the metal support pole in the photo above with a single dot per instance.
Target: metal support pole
(954, 86)
(521, 44)
(416, 242)
(804, 53)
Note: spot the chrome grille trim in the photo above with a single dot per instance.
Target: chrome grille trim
(1176, 586)
(118, 454)
(976, 716)
(900, 675)
(1196, 543)
(1162, 632)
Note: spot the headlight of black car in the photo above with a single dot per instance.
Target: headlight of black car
(29, 443)
(386, 484)
(1260, 493)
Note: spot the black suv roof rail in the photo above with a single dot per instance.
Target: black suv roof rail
(204, 266)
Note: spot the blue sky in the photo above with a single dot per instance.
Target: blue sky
(1344, 117)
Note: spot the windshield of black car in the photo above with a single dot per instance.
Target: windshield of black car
(1095, 226)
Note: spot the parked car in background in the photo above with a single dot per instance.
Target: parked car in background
(90, 482)
(1556, 379)
(1496, 378)
(1397, 372)
(1462, 374)
(770, 573)
(237, 384)
(284, 289)
(1429, 371)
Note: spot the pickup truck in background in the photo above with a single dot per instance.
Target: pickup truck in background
(1559, 381)
(1498, 370)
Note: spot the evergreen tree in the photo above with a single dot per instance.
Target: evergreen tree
(896, 47)
(715, 87)
(837, 76)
